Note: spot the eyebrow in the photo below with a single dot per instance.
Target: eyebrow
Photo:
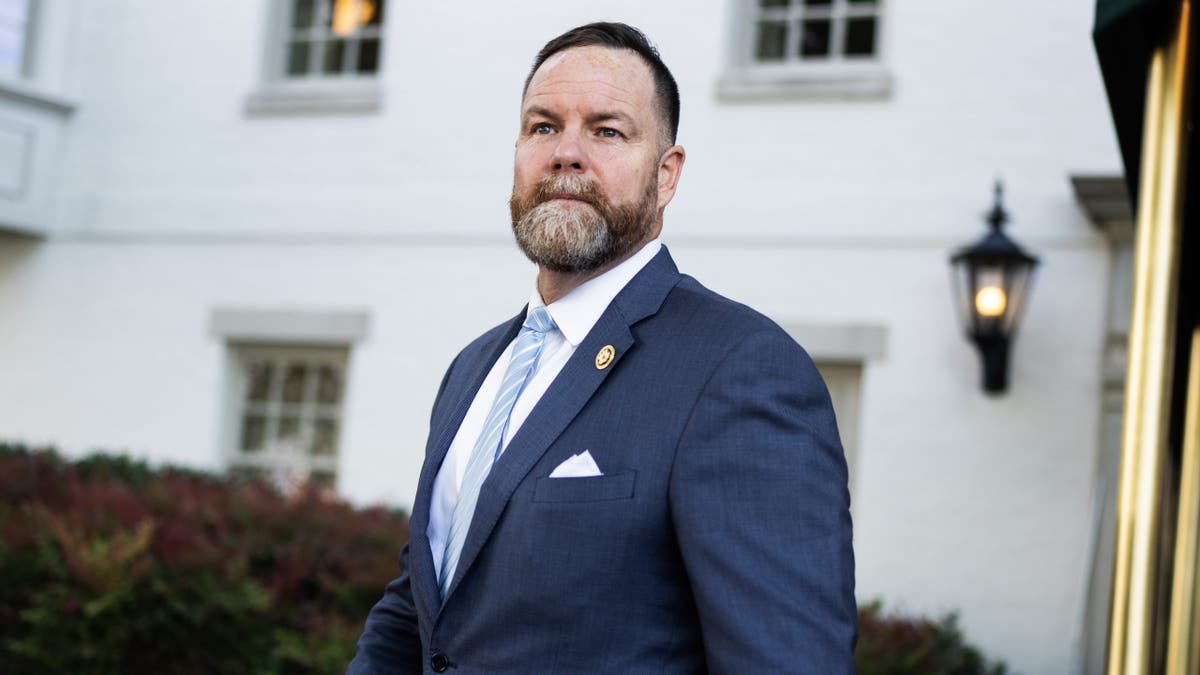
(538, 111)
(609, 116)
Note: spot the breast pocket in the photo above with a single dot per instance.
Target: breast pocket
(590, 489)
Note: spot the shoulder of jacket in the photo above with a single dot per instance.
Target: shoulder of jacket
(728, 316)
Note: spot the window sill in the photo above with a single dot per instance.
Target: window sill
(320, 97)
(854, 81)
(22, 92)
(285, 326)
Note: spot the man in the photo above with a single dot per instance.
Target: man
(634, 475)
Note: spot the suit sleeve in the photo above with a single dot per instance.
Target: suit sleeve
(391, 641)
(760, 504)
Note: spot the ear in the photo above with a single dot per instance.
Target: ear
(670, 165)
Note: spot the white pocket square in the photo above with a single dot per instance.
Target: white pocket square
(577, 466)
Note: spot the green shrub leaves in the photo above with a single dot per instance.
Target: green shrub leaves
(113, 567)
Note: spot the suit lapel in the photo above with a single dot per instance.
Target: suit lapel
(570, 391)
(423, 575)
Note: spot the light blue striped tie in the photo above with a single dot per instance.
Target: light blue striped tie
(491, 439)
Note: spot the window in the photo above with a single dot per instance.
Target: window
(815, 30)
(289, 415)
(333, 38)
(821, 47)
(15, 20)
(322, 56)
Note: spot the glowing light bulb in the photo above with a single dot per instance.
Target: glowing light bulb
(990, 301)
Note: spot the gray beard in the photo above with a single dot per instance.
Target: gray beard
(576, 238)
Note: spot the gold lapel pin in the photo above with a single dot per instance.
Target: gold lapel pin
(604, 357)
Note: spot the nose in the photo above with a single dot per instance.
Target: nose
(568, 153)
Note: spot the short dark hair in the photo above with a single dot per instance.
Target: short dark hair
(621, 36)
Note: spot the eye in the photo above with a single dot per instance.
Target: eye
(542, 128)
(608, 132)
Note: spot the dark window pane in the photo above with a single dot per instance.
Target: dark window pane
(289, 429)
(377, 16)
(323, 479)
(325, 443)
(293, 383)
(302, 15)
(254, 430)
(368, 56)
(334, 53)
(248, 473)
(860, 37)
(329, 385)
(258, 381)
(816, 3)
(297, 62)
(814, 38)
(772, 3)
(772, 41)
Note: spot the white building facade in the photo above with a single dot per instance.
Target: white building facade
(254, 234)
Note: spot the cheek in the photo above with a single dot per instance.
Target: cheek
(529, 162)
(626, 183)
(523, 175)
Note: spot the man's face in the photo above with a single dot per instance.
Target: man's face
(586, 186)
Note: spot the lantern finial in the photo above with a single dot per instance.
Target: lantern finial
(997, 217)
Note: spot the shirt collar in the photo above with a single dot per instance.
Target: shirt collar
(576, 312)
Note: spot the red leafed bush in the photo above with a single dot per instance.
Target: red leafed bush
(110, 566)
(890, 644)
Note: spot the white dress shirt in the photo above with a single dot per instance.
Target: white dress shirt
(575, 313)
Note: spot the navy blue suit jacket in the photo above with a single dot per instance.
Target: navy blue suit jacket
(718, 538)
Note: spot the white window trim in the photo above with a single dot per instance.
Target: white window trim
(29, 94)
(268, 459)
(854, 345)
(280, 95)
(242, 330)
(745, 78)
(840, 342)
(289, 326)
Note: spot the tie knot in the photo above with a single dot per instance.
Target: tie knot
(539, 320)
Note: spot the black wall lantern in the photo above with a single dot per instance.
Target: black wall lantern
(992, 277)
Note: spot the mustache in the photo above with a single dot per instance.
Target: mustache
(567, 185)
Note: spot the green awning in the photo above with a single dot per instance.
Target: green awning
(1126, 34)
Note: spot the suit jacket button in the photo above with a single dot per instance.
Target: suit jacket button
(439, 662)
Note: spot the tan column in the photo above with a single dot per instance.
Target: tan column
(1151, 335)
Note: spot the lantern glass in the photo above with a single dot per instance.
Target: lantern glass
(1017, 276)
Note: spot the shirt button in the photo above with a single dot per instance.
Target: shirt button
(439, 662)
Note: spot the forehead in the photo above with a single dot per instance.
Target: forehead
(618, 75)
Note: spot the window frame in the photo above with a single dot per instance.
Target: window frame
(317, 36)
(835, 76)
(250, 330)
(279, 94)
(275, 461)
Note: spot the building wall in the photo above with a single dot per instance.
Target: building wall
(172, 202)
